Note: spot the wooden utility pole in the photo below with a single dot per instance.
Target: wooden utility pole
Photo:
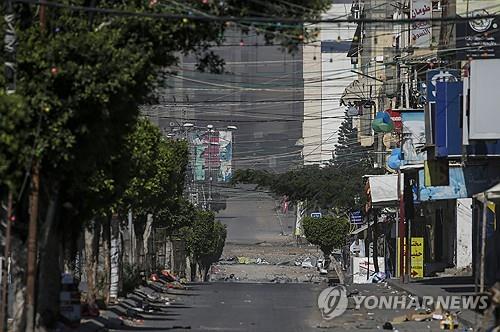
(5, 267)
(10, 42)
(32, 247)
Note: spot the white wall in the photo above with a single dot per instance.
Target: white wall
(324, 84)
(464, 233)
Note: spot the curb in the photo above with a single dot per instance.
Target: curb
(402, 287)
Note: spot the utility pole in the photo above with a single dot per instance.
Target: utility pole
(32, 247)
(33, 221)
(210, 169)
(5, 267)
(10, 43)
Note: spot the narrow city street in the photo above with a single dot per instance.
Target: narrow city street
(250, 165)
(241, 306)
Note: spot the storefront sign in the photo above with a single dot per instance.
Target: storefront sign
(356, 217)
(421, 34)
(479, 38)
(417, 257)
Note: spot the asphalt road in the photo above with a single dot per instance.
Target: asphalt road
(250, 217)
(269, 307)
(252, 307)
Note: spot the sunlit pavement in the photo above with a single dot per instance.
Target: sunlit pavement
(240, 306)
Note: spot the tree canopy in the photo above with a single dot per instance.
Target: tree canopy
(328, 232)
(338, 185)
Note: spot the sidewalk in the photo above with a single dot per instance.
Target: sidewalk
(443, 286)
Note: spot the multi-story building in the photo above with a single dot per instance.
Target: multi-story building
(327, 70)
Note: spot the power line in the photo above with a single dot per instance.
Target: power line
(250, 19)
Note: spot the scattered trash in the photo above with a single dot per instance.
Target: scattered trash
(449, 323)
(387, 326)
(245, 260)
(377, 277)
(437, 316)
(261, 261)
(307, 263)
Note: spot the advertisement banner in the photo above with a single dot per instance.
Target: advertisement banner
(413, 137)
(212, 155)
(421, 34)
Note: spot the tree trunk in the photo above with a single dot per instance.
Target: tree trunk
(92, 231)
(329, 258)
(106, 252)
(18, 272)
(139, 226)
(49, 275)
(115, 258)
(338, 269)
(194, 268)
(147, 234)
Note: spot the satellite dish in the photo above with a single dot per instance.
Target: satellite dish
(388, 140)
(352, 111)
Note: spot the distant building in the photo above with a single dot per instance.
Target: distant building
(327, 71)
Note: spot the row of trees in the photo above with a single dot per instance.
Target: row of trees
(74, 154)
(336, 189)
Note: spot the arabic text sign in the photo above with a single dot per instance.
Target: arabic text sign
(417, 257)
(421, 34)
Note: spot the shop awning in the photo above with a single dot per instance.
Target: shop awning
(383, 190)
(361, 229)
(492, 195)
(356, 92)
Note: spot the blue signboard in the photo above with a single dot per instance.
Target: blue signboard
(447, 119)
(316, 215)
(356, 217)
(464, 182)
(456, 188)
(439, 75)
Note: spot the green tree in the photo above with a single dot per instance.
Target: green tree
(328, 233)
(339, 185)
(205, 240)
(83, 78)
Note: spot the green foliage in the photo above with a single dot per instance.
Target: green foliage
(339, 185)
(205, 239)
(14, 151)
(157, 169)
(85, 75)
(328, 232)
(131, 278)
